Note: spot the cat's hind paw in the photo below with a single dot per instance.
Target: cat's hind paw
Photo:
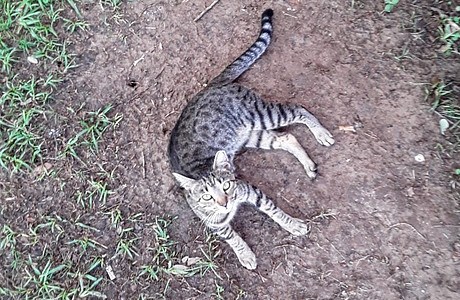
(323, 136)
(311, 170)
(298, 227)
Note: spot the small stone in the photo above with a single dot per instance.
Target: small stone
(110, 272)
(419, 158)
(410, 192)
(443, 126)
(32, 60)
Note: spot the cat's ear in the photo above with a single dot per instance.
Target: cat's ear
(185, 182)
(221, 161)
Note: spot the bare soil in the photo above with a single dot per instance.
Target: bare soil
(384, 226)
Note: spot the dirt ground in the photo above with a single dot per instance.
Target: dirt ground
(384, 226)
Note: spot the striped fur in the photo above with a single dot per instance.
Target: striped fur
(215, 125)
(249, 57)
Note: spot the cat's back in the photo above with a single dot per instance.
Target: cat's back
(211, 121)
(215, 101)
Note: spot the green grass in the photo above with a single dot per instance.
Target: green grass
(31, 38)
(166, 261)
(40, 280)
(96, 192)
(219, 290)
(93, 126)
(112, 3)
(390, 5)
(53, 257)
(27, 29)
(446, 104)
(22, 105)
(68, 260)
(449, 34)
(48, 273)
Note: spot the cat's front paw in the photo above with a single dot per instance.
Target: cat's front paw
(323, 136)
(298, 227)
(248, 259)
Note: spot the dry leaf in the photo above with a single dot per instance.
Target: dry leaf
(444, 48)
(347, 128)
(192, 261)
(40, 170)
(179, 270)
(188, 261)
(184, 259)
(453, 26)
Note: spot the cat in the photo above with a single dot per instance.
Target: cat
(214, 126)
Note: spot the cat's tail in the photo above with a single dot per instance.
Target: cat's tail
(242, 63)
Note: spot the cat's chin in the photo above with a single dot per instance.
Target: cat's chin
(223, 211)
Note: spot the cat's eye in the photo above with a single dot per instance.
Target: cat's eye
(206, 197)
(226, 186)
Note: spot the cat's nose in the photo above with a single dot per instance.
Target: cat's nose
(222, 202)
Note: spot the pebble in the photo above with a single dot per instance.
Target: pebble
(419, 158)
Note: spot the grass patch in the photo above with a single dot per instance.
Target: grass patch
(93, 126)
(48, 257)
(31, 42)
(47, 273)
(166, 261)
(60, 258)
(445, 103)
(28, 38)
(449, 34)
(390, 5)
(96, 192)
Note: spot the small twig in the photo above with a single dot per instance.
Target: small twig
(338, 251)
(143, 164)
(324, 215)
(361, 259)
(138, 60)
(446, 225)
(289, 15)
(371, 135)
(263, 279)
(206, 10)
(407, 224)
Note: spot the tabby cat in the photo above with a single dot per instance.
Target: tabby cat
(215, 125)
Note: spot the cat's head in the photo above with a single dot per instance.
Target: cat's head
(212, 194)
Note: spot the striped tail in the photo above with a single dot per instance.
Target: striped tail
(242, 63)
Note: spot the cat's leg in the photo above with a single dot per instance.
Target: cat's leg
(269, 139)
(245, 255)
(276, 115)
(256, 197)
(303, 116)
